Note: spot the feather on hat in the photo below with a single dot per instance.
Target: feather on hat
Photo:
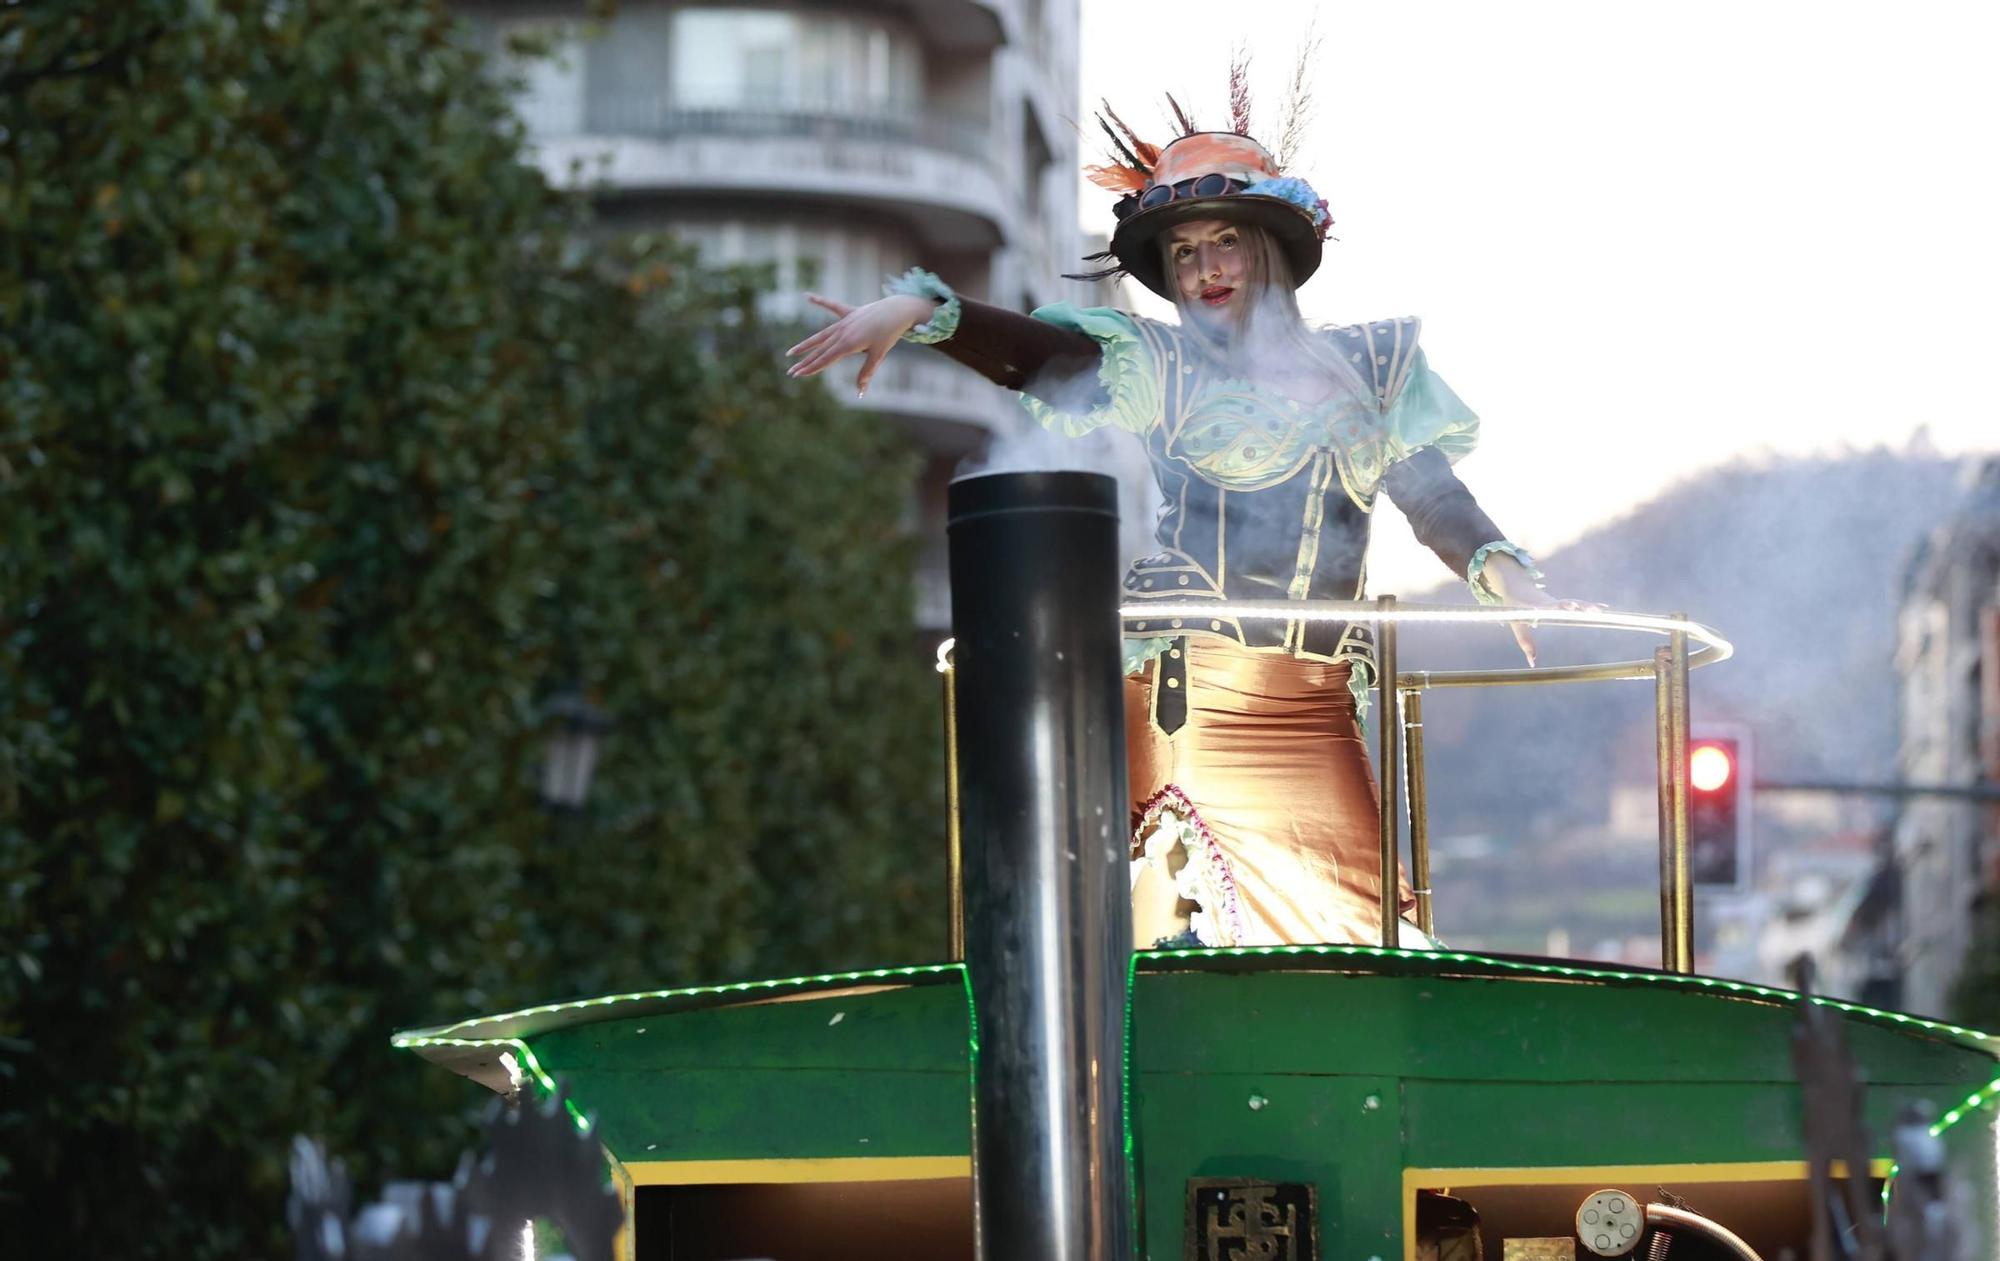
(1208, 175)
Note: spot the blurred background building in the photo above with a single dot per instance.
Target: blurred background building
(1943, 859)
(840, 143)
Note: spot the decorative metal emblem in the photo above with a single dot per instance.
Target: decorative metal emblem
(1242, 1219)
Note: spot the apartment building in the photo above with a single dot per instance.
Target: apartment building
(1944, 853)
(840, 142)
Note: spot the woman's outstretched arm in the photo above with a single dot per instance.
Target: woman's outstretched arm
(1445, 518)
(870, 331)
(1011, 349)
(1003, 346)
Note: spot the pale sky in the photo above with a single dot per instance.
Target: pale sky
(1644, 238)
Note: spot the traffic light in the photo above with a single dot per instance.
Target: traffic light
(1719, 807)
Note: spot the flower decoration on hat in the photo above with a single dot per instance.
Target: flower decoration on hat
(1208, 175)
(1300, 194)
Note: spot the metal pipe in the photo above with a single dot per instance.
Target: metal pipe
(1663, 778)
(954, 854)
(1670, 717)
(1665, 1216)
(1040, 717)
(1420, 812)
(1683, 884)
(1391, 747)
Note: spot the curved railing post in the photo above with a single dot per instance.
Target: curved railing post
(1670, 721)
(1420, 813)
(1391, 760)
(1677, 653)
(954, 853)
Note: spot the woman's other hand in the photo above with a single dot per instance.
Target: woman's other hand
(869, 330)
(1512, 582)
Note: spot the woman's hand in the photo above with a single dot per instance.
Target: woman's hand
(869, 330)
(1512, 582)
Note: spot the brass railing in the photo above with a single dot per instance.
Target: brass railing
(1401, 740)
(954, 858)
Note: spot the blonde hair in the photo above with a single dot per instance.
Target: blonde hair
(1267, 326)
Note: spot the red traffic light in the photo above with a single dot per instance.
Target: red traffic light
(1710, 767)
(1719, 776)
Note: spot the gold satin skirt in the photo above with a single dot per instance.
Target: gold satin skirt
(1268, 784)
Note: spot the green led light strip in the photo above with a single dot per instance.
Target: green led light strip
(1593, 974)
(1125, 1103)
(912, 972)
(1966, 1107)
(434, 1037)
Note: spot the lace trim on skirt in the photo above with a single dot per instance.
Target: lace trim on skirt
(1169, 821)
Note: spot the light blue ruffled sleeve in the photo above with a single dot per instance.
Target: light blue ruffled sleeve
(1425, 413)
(1129, 385)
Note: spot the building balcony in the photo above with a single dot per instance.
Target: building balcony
(947, 407)
(930, 170)
(957, 26)
(963, 137)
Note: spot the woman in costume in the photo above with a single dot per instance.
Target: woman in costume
(1254, 808)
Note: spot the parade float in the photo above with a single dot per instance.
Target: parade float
(1057, 1096)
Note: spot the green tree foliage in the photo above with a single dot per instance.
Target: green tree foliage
(328, 449)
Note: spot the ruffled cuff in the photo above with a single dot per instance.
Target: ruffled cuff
(918, 283)
(1475, 572)
(1127, 392)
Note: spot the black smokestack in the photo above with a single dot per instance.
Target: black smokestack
(1041, 737)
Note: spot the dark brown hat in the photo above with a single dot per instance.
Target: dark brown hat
(1208, 175)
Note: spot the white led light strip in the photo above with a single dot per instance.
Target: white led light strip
(1405, 614)
(1714, 647)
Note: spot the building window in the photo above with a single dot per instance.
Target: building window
(773, 60)
(551, 96)
(1037, 161)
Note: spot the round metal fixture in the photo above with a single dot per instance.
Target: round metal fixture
(1610, 1223)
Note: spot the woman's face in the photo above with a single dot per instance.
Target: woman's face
(1210, 265)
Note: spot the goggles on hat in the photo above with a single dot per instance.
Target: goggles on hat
(1214, 184)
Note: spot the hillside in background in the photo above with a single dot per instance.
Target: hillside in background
(1797, 561)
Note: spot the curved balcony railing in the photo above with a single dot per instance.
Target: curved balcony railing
(931, 166)
(655, 118)
(929, 385)
(958, 25)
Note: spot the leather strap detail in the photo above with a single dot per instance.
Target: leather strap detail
(1170, 701)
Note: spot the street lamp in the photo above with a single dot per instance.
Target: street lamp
(575, 739)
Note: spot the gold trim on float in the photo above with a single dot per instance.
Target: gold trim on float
(815, 996)
(624, 1246)
(683, 1173)
(1415, 1180)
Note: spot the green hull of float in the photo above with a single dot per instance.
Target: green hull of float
(1520, 1085)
